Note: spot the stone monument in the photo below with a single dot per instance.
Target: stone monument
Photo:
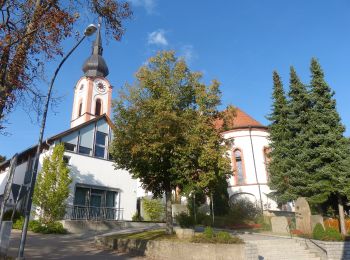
(303, 216)
(280, 225)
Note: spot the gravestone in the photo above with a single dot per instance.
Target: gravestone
(303, 216)
(279, 225)
(315, 219)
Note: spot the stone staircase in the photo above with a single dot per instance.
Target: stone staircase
(281, 249)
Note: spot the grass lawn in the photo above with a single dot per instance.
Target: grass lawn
(157, 234)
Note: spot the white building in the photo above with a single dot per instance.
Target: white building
(249, 160)
(99, 191)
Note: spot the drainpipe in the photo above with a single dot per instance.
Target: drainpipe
(256, 174)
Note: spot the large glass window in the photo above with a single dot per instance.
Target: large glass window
(239, 168)
(86, 139)
(100, 144)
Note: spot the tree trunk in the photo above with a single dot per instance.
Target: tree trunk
(341, 216)
(169, 213)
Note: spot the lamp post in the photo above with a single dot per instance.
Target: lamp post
(90, 30)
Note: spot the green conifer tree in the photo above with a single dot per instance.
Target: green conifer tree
(327, 149)
(52, 187)
(279, 136)
(299, 106)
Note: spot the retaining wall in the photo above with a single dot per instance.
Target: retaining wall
(170, 250)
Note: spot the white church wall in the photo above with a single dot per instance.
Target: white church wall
(99, 172)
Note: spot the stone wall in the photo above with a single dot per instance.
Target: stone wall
(328, 250)
(170, 250)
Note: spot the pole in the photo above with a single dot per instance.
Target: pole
(8, 186)
(256, 173)
(29, 200)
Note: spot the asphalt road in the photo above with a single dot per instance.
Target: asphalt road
(41, 246)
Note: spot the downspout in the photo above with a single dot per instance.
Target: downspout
(256, 174)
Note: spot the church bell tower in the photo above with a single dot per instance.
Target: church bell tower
(93, 92)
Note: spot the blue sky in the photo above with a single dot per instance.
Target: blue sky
(239, 43)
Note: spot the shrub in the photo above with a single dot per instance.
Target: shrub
(136, 217)
(243, 210)
(208, 232)
(318, 232)
(8, 215)
(332, 234)
(185, 220)
(223, 237)
(154, 209)
(37, 227)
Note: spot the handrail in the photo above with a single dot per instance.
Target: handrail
(93, 213)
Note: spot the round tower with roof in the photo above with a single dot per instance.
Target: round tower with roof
(93, 92)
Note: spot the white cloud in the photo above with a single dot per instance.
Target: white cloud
(149, 5)
(157, 38)
(188, 53)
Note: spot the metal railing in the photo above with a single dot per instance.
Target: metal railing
(77, 212)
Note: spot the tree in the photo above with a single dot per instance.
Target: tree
(279, 137)
(2, 158)
(164, 129)
(328, 150)
(52, 187)
(31, 33)
(298, 120)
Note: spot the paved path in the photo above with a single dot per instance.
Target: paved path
(69, 246)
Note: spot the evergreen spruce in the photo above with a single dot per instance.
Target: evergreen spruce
(299, 106)
(327, 148)
(279, 137)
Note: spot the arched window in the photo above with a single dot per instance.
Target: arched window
(80, 108)
(98, 107)
(239, 167)
(266, 152)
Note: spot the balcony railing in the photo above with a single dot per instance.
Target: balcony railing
(75, 212)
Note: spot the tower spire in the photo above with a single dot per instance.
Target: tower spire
(95, 65)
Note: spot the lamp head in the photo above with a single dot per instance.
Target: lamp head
(90, 30)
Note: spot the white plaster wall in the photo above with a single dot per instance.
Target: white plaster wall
(80, 95)
(93, 171)
(241, 140)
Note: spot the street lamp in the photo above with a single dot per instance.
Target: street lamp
(90, 30)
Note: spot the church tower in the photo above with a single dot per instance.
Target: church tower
(93, 92)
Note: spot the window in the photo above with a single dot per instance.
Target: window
(239, 167)
(100, 144)
(98, 107)
(66, 159)
(84, 150)
(80, 109)
(69, 147)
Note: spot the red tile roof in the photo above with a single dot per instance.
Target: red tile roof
(241, 120)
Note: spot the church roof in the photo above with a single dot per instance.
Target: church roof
(95, 65)
(241, 120)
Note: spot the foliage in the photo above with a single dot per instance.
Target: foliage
(185, 220)
(318, 232)
(32, 32)
(243, 210)
(310, 155)
(136, 217)
(38, 227)
(265, 222)
(328, 234)
(154, 209)
(146, 235)
(164, 129)
(209, 232)
(52, 187)
(8, 215)
(2, 158)
(221, 237)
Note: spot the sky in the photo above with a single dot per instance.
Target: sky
(238, 42)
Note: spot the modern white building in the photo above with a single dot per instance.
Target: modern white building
(98, 191)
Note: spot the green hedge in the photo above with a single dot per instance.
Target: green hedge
(37, 227)
(328, 234)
